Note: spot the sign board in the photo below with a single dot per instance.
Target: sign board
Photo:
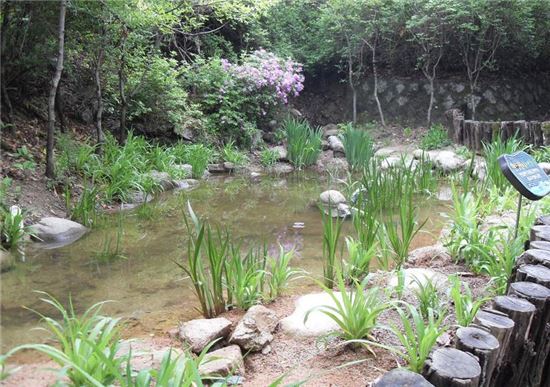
(525, 175)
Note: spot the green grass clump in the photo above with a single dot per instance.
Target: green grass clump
(268, 157)
(428, 297)
(358, 146)
(332, 229)
(231, 154)
(13, 232)
(280, 273)
(465, 305)
(436, 137)
(304, 143)
(492, 152)
(85, 210)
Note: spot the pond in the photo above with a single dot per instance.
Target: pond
(146, 285)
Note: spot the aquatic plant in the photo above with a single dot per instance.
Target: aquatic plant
(465, 306)
(245, 276)
(303, 142)
(199, 156)
(332, 228)
(357, 264)
(416, 335)
(358, 146)
(428, 297)
(268, 157)
(109, 251)
(85, 210)
(13, 231)
(231, 154)
(355, 311)
(401, 234)
(492, 151)
(280, 273)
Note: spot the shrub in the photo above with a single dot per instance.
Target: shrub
(436, 137)
(304, 142)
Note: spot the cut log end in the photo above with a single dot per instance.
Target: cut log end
(400, 377)
(451, 367)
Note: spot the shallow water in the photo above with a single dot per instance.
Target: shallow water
(147, 285)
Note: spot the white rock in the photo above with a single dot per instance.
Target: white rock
(200, 332)
(281, 152)
(163, 179)
(222, 362)
(187, 169)
(332, 197)
(254, 330)
(317, 324)
(416, 274)
(57, 231)
(427, 254)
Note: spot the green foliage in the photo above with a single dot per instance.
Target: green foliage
(464, 304)
(358, 146)
(492, 152)
(245, 276)
(268, 157)
(417, 336)
(233, 155)
(199, 156)
(429, 300)
(332, 228)
(355, 311)
(542, 154)
(112, 246)
(436, 137)
(357, 265)
(85, 210)
(304, 142)
(280, 273)
(12, 227)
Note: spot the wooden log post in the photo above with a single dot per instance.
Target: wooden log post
(535, 128)
(534, 273)
(540, 245)
(500, 326)
(455, 123)
(540, 233)
(450, 367)
(521, 312)
(521, 130)
(484, 346)
(534, 257)
(545, 127)
(507, 130)
(539, 333)
(400, 377)
(468, 133)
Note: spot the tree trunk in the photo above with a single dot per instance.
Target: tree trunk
(59, 107)
(99, 100)
(121, 88)
(50, 167)
(450, 367)
(430, 106)
(352, 87)
(4, 92)
(375, 75)
(484, 346)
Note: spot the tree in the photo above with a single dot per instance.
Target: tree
(429, 28)
(50, 167)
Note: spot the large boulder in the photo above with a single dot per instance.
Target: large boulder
(281, 169)
(444, 160)
(186, 169)
(281, 152)
(223, 362)
(330, 130)
(318, 323)
(429, 254)
(415, 276)
(200, 332)
(57, 231)
(255, 329)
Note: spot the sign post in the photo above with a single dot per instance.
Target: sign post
(526, 176)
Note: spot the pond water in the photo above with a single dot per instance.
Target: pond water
(147, 286)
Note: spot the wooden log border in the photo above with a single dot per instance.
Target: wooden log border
(473, 134)
(508, 343)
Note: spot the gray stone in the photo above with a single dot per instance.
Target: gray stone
(255, 329)
(281, 168)
(332, 197)
(416, 275)
(489, 96)
(57, 231)
(186, 184)
(334, 165)
(216, 168)
(330, 130)
(445, 160)
(199, 333)
(402, 101)
(428, 254)
(281, 152)
(163, 179)
(399, 87)
(145, 354)
(223, 362)
(187, 169)
(228, 166)
(336, 144)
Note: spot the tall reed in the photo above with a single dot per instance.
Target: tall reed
(303, 142)
(358, 146)
(492, 151)
(332, 229)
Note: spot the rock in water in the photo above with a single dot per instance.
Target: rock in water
(57, 231)
(7, 262)
(223, 362)
(198, 333)
(254, 330)
(282, 153)
(336, 145)
(163, 179)
(334, 203)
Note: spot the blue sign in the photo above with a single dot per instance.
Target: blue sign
(525, 175)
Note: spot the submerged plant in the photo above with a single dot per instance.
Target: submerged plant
(112, 247)
(464, 304)
(355, 311)
(84, 210)
(304, 142)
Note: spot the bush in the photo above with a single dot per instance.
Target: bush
(436, 137)
(304, 143)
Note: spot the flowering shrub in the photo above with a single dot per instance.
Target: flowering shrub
(237, 98)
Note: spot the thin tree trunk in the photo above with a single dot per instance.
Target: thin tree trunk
(352, 87)
(59, 105)
(50, 167)
(430, 106)
(99, 100)
(121, 88)
(375, 74)
(4, 92)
